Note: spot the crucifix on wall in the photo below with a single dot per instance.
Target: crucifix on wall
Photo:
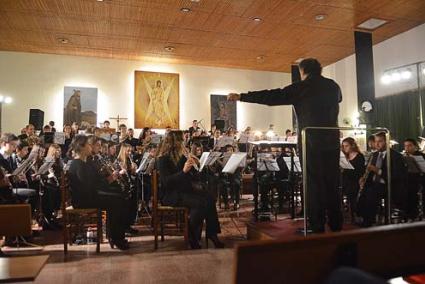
(118, 119)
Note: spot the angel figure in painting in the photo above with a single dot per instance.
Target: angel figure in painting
(158, 114)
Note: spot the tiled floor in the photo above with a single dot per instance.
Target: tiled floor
(138, 265)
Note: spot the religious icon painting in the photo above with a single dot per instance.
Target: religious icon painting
(156, 99)
(223, 112)
(80, 106)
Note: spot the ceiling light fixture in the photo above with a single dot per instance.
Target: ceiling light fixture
(185, 10)
(320, 17)
(169, 48)
(386, 79)
(63, 40)
(372, 24)
(257, 19)
(406, 74)
(99, 0)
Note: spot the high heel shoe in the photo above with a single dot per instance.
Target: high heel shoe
(194, 244)
(120, 244)
(217, 243)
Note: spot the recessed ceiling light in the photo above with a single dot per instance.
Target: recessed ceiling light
(320, 17)
(257, 19)
(169, 48)
(99, 0)
(195, 1)
(185, 9)
(63, 40)
(372, 24)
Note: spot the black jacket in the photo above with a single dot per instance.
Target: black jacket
(316, 102)
(173, 180)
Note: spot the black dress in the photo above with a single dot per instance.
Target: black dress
(177, 190)
(88, 191)
(350, 181)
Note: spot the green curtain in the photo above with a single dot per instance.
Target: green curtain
(399, 113)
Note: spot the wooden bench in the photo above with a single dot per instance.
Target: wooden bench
(387, 251)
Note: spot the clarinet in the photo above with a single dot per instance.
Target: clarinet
(365, 176)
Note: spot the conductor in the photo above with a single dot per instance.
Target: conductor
(316, 102)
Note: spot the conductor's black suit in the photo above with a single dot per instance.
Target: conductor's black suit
(316, 101)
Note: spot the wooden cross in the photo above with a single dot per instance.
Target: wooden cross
(118, 118)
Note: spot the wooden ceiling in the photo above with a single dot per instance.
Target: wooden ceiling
(214, 33)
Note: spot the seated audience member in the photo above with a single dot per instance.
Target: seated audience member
(175, 172)
(374, 186)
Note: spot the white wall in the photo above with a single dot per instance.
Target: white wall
(38, 80)
(405, 48)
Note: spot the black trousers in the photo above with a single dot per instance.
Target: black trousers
(323, 197)
(369, 202)
(116, 211)
(413, 186)
(202, 207)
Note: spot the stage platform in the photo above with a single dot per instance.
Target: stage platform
(281, 229)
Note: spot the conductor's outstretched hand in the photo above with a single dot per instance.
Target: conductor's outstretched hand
(233, 97)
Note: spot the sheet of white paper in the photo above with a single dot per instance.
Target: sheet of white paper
(143, 163)
(59, 138)
(234, 162)
(203, 160)
(297, 164)
(344, 163)
(267, 162)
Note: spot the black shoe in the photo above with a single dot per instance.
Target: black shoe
(120, 244)
(217, 243)
(131, 231)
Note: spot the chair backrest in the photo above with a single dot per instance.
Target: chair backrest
(15, 220)
(64, 187)
(387, 251)
(154, 188)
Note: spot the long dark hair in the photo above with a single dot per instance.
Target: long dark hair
(352, 143)
(79, 143)
(172, 146)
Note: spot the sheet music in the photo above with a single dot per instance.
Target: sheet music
(212, 158)
(234, 162)
(244, 138)
(267, 162)
(297, 164)
(344, 163)
(143, 163)
(225, 140)
(59, 138)
(28, 162)
(420, 161)
(203, 160)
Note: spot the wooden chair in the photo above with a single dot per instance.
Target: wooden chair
(76, 220)
(386, 251)
(159, 213)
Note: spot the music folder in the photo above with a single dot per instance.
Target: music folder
(344, 163)
(267, 162)
(143, 163)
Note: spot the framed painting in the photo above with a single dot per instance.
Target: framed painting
(156, 99)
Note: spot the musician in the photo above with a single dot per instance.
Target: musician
(212, 131)
(127, 171)
(176, 181)
(67, 130)
(21, 153)
(123, 133)
(231, 183)
(106, 124)
(213, 141)
(147, 176)
(414, 177)
(29, 131)
(17, 186)
(145, 137)
(350, 178)
(52, 195)
(375, 184)
(112, 152)
(75, 127)
(194, 127)
(130, 138)
(315, 100)
(88, 191)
